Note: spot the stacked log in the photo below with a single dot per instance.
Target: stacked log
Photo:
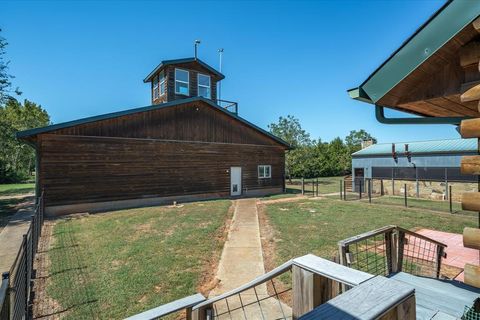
(471, 200)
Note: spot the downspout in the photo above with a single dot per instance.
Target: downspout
(380, 115)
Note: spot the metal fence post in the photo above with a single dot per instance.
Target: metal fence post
(303, 186)
(344, 191)
(341, 189)
(360, 190)
(25, 253)
(405, 193)
(317, 186)
(5, 296)
(450, 198)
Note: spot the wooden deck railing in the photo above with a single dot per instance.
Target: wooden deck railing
(316, 292)
(393, 249)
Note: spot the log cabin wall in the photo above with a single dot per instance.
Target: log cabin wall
(75, 169)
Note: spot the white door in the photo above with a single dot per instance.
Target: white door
(235, 181)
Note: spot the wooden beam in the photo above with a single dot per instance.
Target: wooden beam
(472, 275)
(476, 24)
(471, 94)
(470, 165)
(471, 238)
(469, 54)
(471, 201)
(470, 128)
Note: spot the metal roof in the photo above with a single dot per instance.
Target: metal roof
(443, 25)
(453, 146)
(165, 63)
(28, 133)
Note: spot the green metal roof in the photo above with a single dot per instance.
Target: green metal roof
(32, 132)
(453, 146)
(449, 20)
(165, 63)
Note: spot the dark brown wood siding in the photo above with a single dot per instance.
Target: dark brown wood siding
(79, 169)
(193, 70)
(195, 121)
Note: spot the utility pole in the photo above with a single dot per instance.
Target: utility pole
(220, 53)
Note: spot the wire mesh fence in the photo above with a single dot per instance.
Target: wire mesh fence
(405, 194)
(16, 290)
(393, 249)
(264, 301)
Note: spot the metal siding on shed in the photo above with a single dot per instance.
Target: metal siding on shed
(419, 161)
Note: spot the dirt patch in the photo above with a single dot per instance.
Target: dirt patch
(44, 307)
(208, 280)
(268, 239)
(281, 200)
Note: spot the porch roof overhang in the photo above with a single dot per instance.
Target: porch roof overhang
(425, 53)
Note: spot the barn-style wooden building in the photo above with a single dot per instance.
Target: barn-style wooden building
(183, 147)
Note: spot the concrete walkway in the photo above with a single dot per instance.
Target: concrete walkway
(241, 262)
(12, 235)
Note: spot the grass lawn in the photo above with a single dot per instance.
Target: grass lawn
(325, 184)
(315, 226)
(117, 264)
(16, 189)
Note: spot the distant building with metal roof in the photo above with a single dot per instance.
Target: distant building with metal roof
(422, 147)
(435, 160)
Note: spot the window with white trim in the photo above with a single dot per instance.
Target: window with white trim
(161, 83)
(181, 82)
(155, 88)
(264, 171)
(203, 86)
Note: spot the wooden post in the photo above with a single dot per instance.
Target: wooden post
(381, 187)
(317, 187)
(401, 246)
(202, 313)
(360, 190)
(309, 290)
(388, 252)
(405, 193)
(450, 198)
(369, 190)
(303, 186)
(394, 250)
(344, 191)
(393, 186)
(438, 261)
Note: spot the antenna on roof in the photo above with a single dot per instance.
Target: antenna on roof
(197, 42)
(220, 53)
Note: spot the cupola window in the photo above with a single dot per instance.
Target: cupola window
(204, 86)
(181, 82)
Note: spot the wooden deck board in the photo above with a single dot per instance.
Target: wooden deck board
(439, 296)
(369, 300)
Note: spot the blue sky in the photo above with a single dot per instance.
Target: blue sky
(80, 59)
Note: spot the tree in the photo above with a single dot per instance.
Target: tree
(5, 77)
(289, 130)
(17, 159)
(355, 138)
